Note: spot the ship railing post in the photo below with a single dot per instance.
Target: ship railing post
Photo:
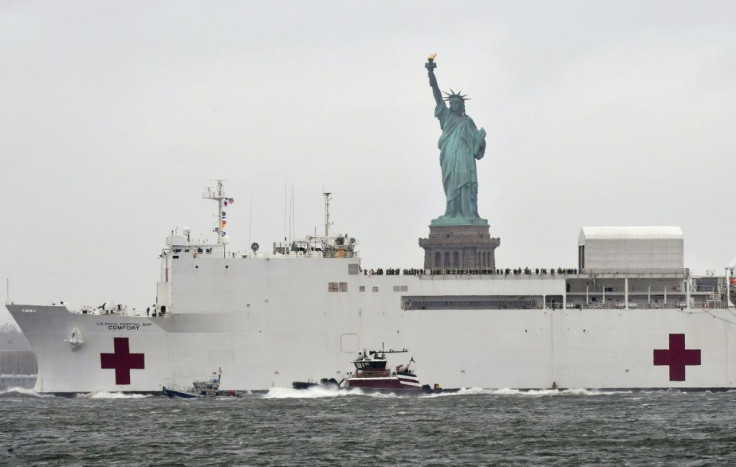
(665, 295)
(626, 292)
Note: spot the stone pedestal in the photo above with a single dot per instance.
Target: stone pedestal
(459, 247)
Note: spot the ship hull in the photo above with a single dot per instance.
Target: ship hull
(388, 384)
(173, 393)
(511, 348)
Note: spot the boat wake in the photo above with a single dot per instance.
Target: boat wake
(22, 392)
(113, 395)
(315, 392)
(528, 392)
(318, 392)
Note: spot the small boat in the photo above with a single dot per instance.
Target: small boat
(372, 375)
(204, 388)
(326, 383)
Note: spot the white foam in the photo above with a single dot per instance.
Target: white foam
(380, 395)
(114, 395)
(554, 392)
(314, 392)
(317, 392)
(526, 393)
(470, 392)
(320, 392)
(24, 392)
(467, 391)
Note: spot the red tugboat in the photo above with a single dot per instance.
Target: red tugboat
(372, 375)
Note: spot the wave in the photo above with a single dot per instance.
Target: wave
(315, 392)
(539, 392)
(318, 392)
(113, 395)
(15, 391)
(525, 392)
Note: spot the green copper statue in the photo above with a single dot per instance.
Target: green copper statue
(460, 145)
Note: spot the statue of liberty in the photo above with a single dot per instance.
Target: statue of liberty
(460, 145)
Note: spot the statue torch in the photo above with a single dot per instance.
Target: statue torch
(430, 65)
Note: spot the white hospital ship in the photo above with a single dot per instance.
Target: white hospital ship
(630, 315)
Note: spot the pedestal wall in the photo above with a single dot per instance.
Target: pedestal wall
(459, 247)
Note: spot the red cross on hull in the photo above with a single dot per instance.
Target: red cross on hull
(677, 357)
(122, 360)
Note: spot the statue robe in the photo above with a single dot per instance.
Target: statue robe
(460, 145)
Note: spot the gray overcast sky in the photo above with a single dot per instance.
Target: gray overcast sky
(114, 116)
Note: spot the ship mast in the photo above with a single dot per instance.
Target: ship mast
(218, 194)
(327, 213)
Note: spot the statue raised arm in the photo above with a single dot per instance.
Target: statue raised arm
(430, 66)
(460, 144)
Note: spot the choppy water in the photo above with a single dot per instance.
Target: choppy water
(318, 427)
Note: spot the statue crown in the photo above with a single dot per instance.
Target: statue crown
(456, 95)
